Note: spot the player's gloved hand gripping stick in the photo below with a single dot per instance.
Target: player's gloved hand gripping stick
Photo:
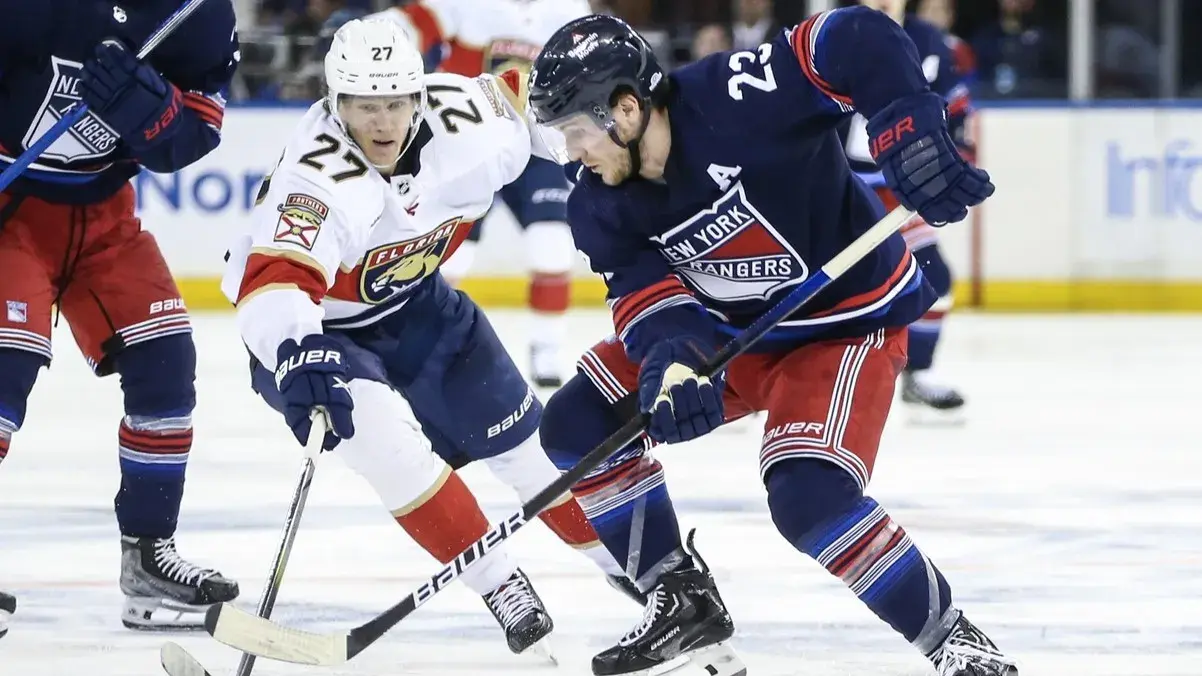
(259, 636)
(80, 109)
(176, 661)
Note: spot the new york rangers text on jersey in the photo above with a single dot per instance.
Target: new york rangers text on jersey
(757, 193)
(46, 45)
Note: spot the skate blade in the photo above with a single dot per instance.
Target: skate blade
(151, 614)
(542, 650)
(719, 659)
(921, 415)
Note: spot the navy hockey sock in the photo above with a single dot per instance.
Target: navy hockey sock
(923, 337)
(821, 511)
(924, 333)
(156, 433)
(625, 499)
(20, 369)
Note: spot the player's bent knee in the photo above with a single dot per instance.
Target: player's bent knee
(158, 376)
(526, 468)
(803, 493)
(575, 420)
(389, 449)
(20, 369)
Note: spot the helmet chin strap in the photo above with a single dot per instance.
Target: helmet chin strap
(634, 146)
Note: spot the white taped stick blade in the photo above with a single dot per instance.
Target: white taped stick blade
(264, 638)
(177, 662)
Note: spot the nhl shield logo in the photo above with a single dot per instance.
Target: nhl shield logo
(396, 268)
(88, 139)
(730, 252)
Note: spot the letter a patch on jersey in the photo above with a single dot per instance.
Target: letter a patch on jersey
(300, 221)
(730, 252)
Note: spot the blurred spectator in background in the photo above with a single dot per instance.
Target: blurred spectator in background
(942, 13)
(709, 39)
(753, 24)
(1019, 57)
(1128, 58)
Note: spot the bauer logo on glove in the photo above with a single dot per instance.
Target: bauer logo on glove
(920, 161)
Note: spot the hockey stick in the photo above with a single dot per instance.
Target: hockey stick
(76, 112)
(176, 661)
(264, 638)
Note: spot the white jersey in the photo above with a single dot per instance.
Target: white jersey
(486, 36)
(333, 240)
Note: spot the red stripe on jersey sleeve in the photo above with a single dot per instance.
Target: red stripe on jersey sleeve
(206, 108)
(801, 48)
(630, 306)
(263, 270)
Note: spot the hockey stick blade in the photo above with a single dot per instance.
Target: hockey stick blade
(239, 629)
(177, 662)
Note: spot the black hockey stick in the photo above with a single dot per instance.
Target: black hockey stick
(175, 660)
(264, 638)
(76, 112)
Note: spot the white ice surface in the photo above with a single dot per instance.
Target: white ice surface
(1067, 515)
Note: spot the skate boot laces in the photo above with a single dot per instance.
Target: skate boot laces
(963, 649)
(512, 601)
(655, 605)
(177, 568)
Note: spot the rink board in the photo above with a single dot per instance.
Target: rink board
(1096, 209)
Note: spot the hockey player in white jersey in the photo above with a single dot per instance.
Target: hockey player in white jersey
(342, 306)
(471, 37)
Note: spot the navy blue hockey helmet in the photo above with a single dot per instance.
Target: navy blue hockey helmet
(574, 78)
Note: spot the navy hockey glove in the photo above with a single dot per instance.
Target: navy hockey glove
(129, 95)
(312, 375)
(683, 405)
(921, 165)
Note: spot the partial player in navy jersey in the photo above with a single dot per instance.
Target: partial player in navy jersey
(69, 239)
(705, 195)
(943, 71)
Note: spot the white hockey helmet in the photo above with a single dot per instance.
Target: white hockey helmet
(374, 57)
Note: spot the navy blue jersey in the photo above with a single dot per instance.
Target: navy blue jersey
(757, 193)
(943, 71)
(43, 46)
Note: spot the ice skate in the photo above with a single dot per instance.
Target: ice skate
(164, 591)
(930, 403)
(683, 616)
(521, 613)
(545, 368)
(8, 606)
(967, 651)
(625, 585)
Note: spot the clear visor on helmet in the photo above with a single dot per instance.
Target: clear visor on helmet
(571, 138)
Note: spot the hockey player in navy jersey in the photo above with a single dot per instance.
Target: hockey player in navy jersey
(705, 195)
(940, 68)
(69, 238)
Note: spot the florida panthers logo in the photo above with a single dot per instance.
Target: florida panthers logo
(730, 252)
(396, 268)
(89, 138)
(503, 55)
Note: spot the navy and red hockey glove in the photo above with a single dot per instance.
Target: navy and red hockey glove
(129, 95)
(683, 405)
(910, 143)
(313, 374)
